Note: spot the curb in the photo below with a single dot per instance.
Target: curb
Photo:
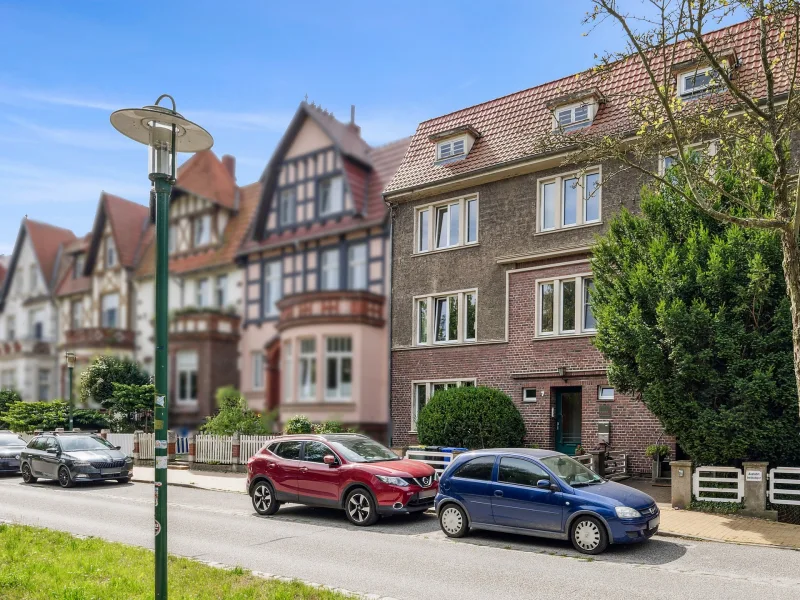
(189, 485)
(687, 536)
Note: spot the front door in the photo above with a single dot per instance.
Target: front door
(568, 420)
(316, 481)
(517, 501)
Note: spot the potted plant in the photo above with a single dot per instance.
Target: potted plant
(658, 453)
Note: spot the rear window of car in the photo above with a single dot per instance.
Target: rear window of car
(478, 468)
(288, 450)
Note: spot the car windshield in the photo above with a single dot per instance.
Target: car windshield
(570, 471)
(87, 442)
(11, 440)
(362, 450)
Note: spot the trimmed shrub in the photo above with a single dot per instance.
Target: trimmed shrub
(299, 424)
(470, 417)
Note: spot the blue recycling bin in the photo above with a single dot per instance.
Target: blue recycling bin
(450, 449)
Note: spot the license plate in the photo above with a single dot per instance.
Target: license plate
(110, 471)
(427, 494)
(654, 523)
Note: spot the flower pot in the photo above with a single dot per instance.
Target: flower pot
(656, 467)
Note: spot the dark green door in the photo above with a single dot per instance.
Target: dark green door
(568, 420)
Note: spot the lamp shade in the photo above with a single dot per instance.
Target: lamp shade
(137, 123)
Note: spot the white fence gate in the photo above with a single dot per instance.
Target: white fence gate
(123, 440)
(216, 449)
(147, 446)
(181, 445)
(438, 460)
(783, 482)
(718, 484)
(250, 444)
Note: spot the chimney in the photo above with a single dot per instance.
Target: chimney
(352, 123)
(229, 162)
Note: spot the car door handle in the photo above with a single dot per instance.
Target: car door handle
(303, 469)
(270, 464)
(498, 493)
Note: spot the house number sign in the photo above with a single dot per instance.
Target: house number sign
(753, 476)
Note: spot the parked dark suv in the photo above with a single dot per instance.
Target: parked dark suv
(11, 445)
(73, 457)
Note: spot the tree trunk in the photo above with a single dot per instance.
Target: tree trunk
(791, 272)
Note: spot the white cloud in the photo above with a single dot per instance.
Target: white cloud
(78, 138)
(17, 97)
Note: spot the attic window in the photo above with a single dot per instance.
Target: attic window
(451, 148)
(574, 116)
(696, 81)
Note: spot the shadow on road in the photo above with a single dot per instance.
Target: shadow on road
(79, 485)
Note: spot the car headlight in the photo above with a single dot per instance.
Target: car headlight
(626, 512)
(81, 463)
(398, 481)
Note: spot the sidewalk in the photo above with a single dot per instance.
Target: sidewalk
(683, 523)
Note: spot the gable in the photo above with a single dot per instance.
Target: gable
(311, 137)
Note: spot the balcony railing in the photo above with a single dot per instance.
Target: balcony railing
(334, 306)
(100, 337)
(27, 345)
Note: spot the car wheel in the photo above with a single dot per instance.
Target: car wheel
(360, 508)
(124, 480)
(453, 521)
(27, 474)
(264, 499)
(589, 535)
(64, 478)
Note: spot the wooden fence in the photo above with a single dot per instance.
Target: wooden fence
(214, 449)
(250, 444)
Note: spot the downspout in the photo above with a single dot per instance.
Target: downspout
(389, 428)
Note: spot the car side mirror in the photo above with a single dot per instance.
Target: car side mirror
(543, 484)
(330, 460)
(52, 451)
(117, 447)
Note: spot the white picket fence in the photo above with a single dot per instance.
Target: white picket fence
(250, 444)
(438, 460)
(784, 481)
(123, 440)
(722, 482)
(147, 446)
(216, 449)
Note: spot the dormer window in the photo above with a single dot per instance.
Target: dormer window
(697, 81)
(79, 263)
(574, 116)
(454, 144)
(451, 148)
(111, 253)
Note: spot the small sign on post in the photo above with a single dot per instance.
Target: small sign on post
(753, 476)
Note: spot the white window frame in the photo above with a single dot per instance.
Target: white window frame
(605, 393)
(709, 146)
(339, 356)
(429, 384)
(272, 278)
(356, 265)
(287, 215)
(335, 195)
(11, 328)
(580, 216)
(104, 310)
(684, 92)
(221, 290)
(526, 396)
(172, 238)
(463, 225)
(257, 365)
(201, 293)
(557, 282)
(288, 374)
(330, 273)
(307, 393)
(76, 316)
(187, 370)
(43, 384)
(202, 234)
(430, 302)
(111, 252)
(591, 111)
(446, 149)
(33, 277)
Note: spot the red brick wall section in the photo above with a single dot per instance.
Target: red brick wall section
(526, 361)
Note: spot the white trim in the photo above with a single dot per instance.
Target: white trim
(697, 91)
(451, 142)
(558, 182)
(433, 207)
(518, 258)
(431, 299)
(558, 282)
(591, 105)
(710, 148)
(429, 383)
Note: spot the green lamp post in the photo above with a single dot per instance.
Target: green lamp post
(71, 358)
(166, 132)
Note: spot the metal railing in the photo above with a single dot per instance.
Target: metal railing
(784, 485)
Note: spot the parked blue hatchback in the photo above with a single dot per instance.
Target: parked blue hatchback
(541, 493)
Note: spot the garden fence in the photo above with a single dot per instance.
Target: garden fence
(250, 444)
(215, 449)
(718, 484)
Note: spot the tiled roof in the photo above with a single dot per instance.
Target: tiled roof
(129, 223)
(48, 241)
(510, 126)
(346, 136)
(3, 271)
(205, 175)
(224, 254)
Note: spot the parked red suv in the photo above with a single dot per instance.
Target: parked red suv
(342, 470)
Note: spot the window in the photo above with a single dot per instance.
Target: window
(172, 239)
(331, 195)
(518, 471)
(273, 287)
(78, 266)
(8, 379)
(569, 201)
(451, 148)
(446, 326)
(201, 293)
(111, 253)
(696, 82)
(424, 391)
(574, 116)
(558, 309)
(307, 369)
(76, 314)
(455, 223)
(202, 230)
(329, 266)
(287, 375)
(338, 368)
(257, 362)
(36, 320)
(186, 363)
(11, 328)
(606, 394)
(286, 206)
(44, 385)
(478, 468)
(221, 291)
(288, 450)
(109, 315)
(316, 452)
(694, 155)
(529, 394)
(357, 267)
(32, 279)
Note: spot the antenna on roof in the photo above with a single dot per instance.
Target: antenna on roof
(352, 114)
(306, 99)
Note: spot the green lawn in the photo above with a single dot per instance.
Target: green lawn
(40, 563)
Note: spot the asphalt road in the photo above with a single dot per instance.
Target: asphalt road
(405, 558)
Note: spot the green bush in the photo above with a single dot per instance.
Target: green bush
(89, 420)
(97, 381)
(234, 416)
(130, 407)
(7, 398)
(657, 452)
(470, 417)
(299, 424)
(26, 417)
(331, 426)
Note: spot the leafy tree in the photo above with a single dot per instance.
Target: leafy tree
(26, 417)
(331, 426)
(693, 315)
(299, 424)
(749, 108)
(130, 407)
(7, 397)
(90, 420)
(234, 416)
(98, 379)
(470, 417)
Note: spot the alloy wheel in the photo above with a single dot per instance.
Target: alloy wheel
(587, 535)
(63, 477)
(452, 521)
(27, 476)
(262, 498)
(358, 507)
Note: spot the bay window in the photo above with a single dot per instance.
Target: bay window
(202, 230)
(331, 195)
(186, 366)
(109, 311)
(287, 375)
(446, 224)
(307, 369)
(569, 200)
(330, 269)
(454, 318)
(201, 293)
(273, 287)
(357, 267)
(257, 363)
(338, 368)
(563, 306)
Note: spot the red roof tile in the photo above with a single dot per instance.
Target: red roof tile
(205, 175)
(48, 241)
(510, 126)
(129, 224)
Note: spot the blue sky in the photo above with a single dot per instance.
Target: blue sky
(240, 69)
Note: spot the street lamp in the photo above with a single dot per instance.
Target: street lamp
(166, 132)
(71, 358)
